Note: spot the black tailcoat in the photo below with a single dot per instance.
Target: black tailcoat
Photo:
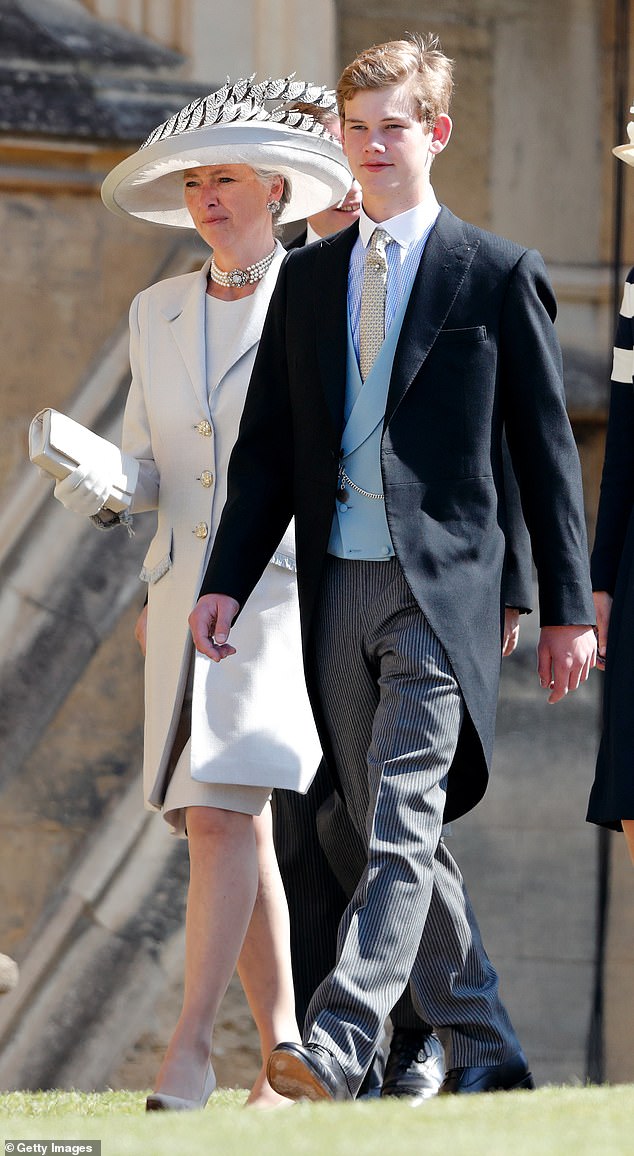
(477, 354)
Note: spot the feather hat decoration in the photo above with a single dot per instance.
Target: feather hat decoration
(245, 101)
(234, 126)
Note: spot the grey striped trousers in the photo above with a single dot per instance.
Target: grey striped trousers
(394, 710)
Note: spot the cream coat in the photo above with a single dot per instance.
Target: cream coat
(270, 740)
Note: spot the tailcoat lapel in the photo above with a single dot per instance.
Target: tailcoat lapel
(442, 270)
(331, 318)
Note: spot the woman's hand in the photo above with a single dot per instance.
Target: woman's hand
(511, 630)
(140, 630)
(84, 491)
(603, 609)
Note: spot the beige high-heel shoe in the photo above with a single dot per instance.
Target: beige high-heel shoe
(162, 1102)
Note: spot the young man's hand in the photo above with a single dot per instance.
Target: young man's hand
(210, 623)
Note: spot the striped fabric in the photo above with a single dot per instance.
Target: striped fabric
(316, 901)
(623, 364)
(346, 855)
(617, 480)
(393, 711)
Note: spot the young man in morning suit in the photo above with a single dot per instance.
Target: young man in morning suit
(395, 484)
(320, 856)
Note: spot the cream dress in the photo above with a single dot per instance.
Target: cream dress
(244, 723)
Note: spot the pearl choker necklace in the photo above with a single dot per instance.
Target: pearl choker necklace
(239, 277)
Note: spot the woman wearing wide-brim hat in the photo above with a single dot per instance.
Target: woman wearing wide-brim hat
(612, 796)
(217, 739)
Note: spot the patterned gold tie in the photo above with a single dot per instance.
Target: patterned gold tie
(372, 319)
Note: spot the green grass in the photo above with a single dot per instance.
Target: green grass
(550, 1122)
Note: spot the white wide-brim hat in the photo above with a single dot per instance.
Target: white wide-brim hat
(625, 152)
(220, 129)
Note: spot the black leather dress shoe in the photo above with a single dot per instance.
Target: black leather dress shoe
(306, 1072)
(514, 1073)
(415, 1066)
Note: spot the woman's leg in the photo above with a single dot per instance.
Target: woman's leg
(628, 831)
(264, 965)
(223, 885)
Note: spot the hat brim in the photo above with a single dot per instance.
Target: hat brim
(625, 153)
(149, 184)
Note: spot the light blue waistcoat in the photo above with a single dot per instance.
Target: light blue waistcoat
(359, 526)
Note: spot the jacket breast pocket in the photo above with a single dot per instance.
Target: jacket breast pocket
(158, 559)
(442, 428)
(473, 333)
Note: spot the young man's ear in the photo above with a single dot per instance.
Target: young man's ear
(440, 133)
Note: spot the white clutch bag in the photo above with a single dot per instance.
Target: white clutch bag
(58, 445)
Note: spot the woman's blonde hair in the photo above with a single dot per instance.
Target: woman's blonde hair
(417, 60)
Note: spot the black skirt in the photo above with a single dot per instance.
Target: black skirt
(612, 795)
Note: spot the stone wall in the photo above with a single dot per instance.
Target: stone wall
(69, 274)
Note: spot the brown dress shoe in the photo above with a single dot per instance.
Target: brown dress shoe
(306, 1072)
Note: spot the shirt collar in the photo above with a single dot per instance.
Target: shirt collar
(311, 235)
(406, 228)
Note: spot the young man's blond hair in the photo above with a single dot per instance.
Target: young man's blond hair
(418, 60)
